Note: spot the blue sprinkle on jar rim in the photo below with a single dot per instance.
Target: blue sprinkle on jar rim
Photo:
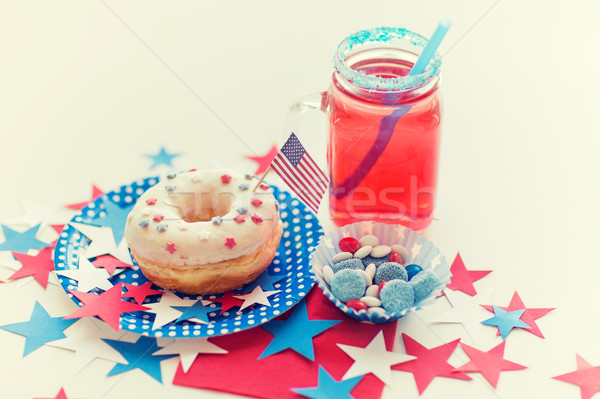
(384, 35)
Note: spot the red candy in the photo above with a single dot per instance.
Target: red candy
(395, 257)
(356, 305)
(381, 285)
(151, 201)
(158, 218)
(349, 244)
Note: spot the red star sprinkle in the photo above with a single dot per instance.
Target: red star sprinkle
(139, 293)
(192, 170)
(227, 301)
(256, 218)
(230, 242)
(264, 186)
(263, 161)
(587, 377)
(255, 202)
(171, 247)
(225, 179)
(158, 218)
(239, 219)
(110, 263)
(490, 364)
(528, 317)
(108, 306)
(96, 192)
(151, 201)
(61, 395)
(430, 363)
(463, 279)
(38, 266)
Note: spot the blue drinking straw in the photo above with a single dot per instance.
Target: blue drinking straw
(431, 47)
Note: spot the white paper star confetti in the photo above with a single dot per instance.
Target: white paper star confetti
(164, 309)
(466, 310)
(103, 242)
(88, 345)
(88, 276)
(374, 358)
(34, 214)
(256, 296)
(188, 349)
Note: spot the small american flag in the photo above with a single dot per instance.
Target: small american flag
(300, 172)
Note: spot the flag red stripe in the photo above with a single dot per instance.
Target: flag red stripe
(318, 170)
(282, 170)
(318, 191)
(320, 186)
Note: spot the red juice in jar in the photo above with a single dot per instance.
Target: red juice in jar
(384, 131)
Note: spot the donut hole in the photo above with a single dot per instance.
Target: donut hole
(202, 207)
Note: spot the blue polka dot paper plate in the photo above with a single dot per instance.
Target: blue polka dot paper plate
(420, 251)
(289, 272)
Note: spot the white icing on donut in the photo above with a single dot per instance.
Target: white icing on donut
(183, 206)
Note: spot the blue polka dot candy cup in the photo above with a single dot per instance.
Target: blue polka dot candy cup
(422, 252)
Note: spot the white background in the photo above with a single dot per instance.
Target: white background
(89, 86)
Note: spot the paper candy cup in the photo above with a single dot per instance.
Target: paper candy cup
(421, 252)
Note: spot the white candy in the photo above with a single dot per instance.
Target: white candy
(368, 280)
(363, 251)
(380, 251)
(341, 256)
(370, 301)
(368, 240)
(327, 274)
(371, 269)
(372, 291)
(377, 310)
(401, 251)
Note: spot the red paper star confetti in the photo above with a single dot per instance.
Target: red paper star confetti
(490, 364)
(228, 301)
(263, 161)
(61, 395)
(57, 227)
(230, 242)
(430, 363)
(171, 247)
(529, 316)
(463, 279)
(256, 218)
(38, 266)
(108, 306)
(225, 179)
(96, 192)
(230, 372)
(587, 377)
(139, 293)
(110, 263)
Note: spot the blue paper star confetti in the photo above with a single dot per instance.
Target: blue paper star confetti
(40, 329)
(329, 388)
(295, 333)
(21, 242)
(139, 356)
(264, 280)
(162, 158)
(506, 321)
(197, 311)
(115, 218)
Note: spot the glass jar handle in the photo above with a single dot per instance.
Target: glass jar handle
(305, 102)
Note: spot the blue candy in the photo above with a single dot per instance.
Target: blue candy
(423, 284)
(390, 271)
(396, 295)
(413, 270)
(347, 285)
(355, 264)
(367, 260)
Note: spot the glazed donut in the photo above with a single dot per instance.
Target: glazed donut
(205, 231)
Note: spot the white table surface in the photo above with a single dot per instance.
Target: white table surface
(87, 87)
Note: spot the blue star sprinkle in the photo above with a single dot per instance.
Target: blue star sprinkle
(197, 310)
(217, 220)
(329, 388)
(21, 242)
(139, 356)
(171, 175)
(243, 187)
(506, 321)
(115, 218)
(241, 210)
(144, 223)
(249, 177)
(295, 333)
(162, 227)
(162, 158)
(170, 187)
(40, 329)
